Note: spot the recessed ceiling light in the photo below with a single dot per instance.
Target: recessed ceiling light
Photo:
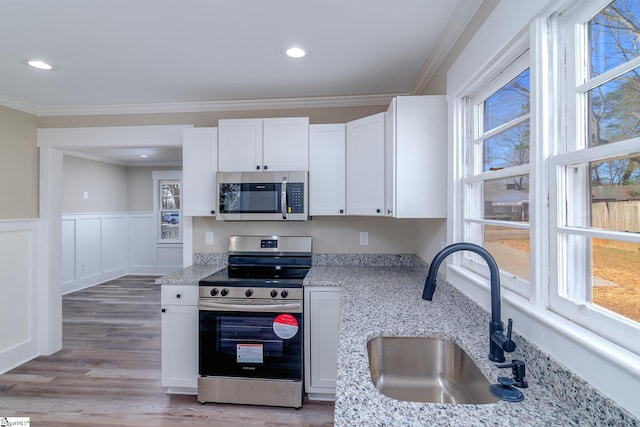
(295, 52)
(40, 65)
(143, 156)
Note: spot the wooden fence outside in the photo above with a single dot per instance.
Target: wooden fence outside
(619, 216)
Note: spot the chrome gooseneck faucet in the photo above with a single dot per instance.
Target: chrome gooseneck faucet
(498, 342)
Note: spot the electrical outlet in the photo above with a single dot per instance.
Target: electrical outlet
(208, 238)
(364, 238)
(85, 195)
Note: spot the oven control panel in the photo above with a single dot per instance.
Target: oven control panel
(250, 293)
(269, 244)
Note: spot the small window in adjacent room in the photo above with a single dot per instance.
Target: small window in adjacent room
(169, 211)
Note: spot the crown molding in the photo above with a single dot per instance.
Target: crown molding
(14, 104)
(456, 25)
(196, 107)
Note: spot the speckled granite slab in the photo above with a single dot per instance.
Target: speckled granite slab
(377, 301)
(190, 276)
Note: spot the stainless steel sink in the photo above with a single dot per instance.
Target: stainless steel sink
(423, 369)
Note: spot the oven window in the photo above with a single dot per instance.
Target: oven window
(252, 345)
(246, 336)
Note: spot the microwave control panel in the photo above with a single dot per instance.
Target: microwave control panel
(295, 196)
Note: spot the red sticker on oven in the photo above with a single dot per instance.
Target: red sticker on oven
(285, 326)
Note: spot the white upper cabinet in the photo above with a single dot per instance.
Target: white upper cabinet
(365, 162)
(239, 145)
(416, 157)
(199, 167)
(327, 169)
(278, 144)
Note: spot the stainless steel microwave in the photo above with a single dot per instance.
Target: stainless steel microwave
(262, 196)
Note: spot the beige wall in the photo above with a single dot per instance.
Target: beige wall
(316, 115)
(105, 183)
(111, 188)
(330, 234)
(19, 164)
(140, 187)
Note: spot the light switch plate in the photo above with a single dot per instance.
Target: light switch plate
(364, 238)
(208, 238)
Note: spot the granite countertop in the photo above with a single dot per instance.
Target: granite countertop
(377, 301)
(382, 296)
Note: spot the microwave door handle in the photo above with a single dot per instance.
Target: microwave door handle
(283, 198)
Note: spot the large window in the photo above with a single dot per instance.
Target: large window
(547, 166)
(595, 201)
(496, 183)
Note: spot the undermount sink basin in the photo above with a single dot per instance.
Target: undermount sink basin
(423, 369)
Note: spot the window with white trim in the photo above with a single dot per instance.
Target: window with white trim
(595, 177)
(495, 186)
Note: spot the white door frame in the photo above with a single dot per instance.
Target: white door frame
(53, 142)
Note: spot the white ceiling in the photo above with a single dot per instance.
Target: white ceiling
(137, 56)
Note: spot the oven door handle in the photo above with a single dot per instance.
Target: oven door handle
(285, 307)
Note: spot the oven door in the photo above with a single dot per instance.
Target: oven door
(251, 343)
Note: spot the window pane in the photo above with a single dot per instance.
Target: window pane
(616, 277)
(614, 35)
(508, 148)
(170, 225)
(508, 103)
(170, 195)
(507, 199)
(613, 109)
(510, 248)
(615, 194)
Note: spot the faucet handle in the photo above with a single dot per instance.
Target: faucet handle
(518, 371)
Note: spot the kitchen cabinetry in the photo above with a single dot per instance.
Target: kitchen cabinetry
(199, 167)
(276, 144)
(327, 169)
(416, 157)
(365, 160)
(322, 318)
(179, 338)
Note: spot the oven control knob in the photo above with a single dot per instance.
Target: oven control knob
(249, 292)
(274, 293)
(214, 292)
(284, 293)
(224, 292)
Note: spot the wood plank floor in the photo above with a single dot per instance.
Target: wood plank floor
(108, 371)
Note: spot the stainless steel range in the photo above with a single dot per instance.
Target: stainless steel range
(251, 330)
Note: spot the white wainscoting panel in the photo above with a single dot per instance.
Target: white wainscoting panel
(143, 239)
(18, 290)
(68, 251)
(114, 244)
(89, 247)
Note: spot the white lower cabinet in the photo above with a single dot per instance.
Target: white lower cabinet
(322, 318)
(180, 338)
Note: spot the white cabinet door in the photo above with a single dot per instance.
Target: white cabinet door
(417, 157)
(322, 318)
(199, 167)
(365, 165)
(327, 169)
(286, 144)
(278, 144)
(179, 338)
(239, 145)
(180, 347)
